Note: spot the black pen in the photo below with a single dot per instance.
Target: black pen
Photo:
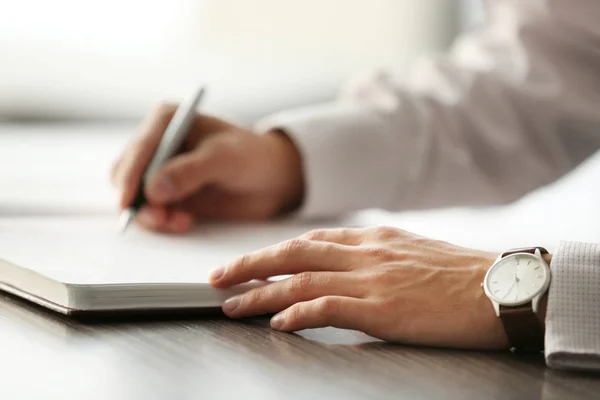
(170, 143)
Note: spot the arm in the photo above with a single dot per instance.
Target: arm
(507, 110)
(405, 288)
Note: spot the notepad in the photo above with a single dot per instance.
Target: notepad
(84, 265)
(59, 246)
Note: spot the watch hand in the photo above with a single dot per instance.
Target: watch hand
(509, 290)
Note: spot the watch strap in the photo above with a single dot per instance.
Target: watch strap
(530, 250)
(521, 324)
(523, 328)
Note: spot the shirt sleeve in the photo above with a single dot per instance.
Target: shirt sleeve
(573, 310)
(508, 109)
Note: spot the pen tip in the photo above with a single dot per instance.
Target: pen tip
(124, 221)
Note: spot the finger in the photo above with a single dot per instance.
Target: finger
(335, 311)
(152, 218)
(289, 257)
(188, 173)
(212, 203)
(164, 220)
(347, 236)
(114, 170)
(128, 173)
(178, 221)
(280, 295)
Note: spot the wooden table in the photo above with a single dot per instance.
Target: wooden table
(49, 356)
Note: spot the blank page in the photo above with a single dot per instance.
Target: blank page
(91, 251)
(59, 169)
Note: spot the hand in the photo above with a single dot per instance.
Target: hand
(386, 282)
(223, 172)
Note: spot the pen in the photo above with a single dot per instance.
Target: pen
(170, 143)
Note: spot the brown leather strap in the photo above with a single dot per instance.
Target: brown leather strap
(523, 329)
(530, 250)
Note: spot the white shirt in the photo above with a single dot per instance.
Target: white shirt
(508, 109)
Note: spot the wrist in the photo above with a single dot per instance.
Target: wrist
(289, 188)
(496, 329)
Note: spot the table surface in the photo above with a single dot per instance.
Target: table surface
(49, 356)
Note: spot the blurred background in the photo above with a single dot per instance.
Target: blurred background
(94, 69)
(114, 59)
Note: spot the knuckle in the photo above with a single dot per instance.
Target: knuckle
(241, 264)
(388, 305)
(302, 282)
(327, 306)
(294, 315)
(221, 146)
(160, 114)
(176, 176)
(219, 153)
(378, 276)
(315, 234)
(386, 232)
(253, 297)
(292, 247)
(348, 231)
(380, 252)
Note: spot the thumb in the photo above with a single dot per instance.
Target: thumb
(186, 174)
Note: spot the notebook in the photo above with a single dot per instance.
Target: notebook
(81, 265)
(59, 246)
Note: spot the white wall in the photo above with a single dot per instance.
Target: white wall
(115, 58)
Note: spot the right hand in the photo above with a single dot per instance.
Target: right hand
(223, 172)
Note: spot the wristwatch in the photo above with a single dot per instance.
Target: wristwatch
(515, 283)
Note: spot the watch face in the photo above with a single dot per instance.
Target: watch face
(517, 279)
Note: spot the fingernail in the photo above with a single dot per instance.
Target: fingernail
(277, 321)
(148, 217)
(231, 304)
(164, 187)
(216, 274)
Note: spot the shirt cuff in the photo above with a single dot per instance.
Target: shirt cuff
(573, 310)
(350, 159)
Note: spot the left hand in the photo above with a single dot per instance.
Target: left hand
(383, 281)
